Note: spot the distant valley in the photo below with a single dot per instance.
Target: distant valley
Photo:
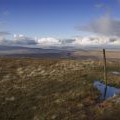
(82, 54)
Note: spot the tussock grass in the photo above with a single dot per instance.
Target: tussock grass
(48, 89)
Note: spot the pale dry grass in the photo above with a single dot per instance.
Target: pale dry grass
(48, 89)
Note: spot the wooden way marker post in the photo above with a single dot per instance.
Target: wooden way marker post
(105, 72)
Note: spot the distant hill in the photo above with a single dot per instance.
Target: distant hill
(25, 50)
(16, 51)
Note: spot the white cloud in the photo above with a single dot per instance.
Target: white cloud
(97, 41)
(48, 41)
(105, 25)
(23, 40)
(107, 32)
(2, 37)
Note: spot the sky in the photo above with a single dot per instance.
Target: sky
(51, 20)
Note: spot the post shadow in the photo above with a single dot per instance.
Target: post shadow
(105, 92)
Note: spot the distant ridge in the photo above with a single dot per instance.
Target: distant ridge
(17, 51)
(25, 50)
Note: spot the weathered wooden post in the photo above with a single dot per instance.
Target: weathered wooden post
(105, 73)
(105, 70)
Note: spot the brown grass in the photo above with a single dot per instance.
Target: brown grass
(47, 89)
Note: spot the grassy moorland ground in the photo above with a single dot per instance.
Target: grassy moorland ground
(49, 89)
(96, 54)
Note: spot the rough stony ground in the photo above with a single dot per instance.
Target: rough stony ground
(49, 89)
